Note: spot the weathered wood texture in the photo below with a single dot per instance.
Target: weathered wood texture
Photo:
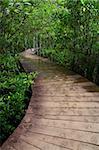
(63, 113)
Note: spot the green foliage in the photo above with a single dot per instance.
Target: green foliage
(75, 28)
(15, 18)
(14, 89)
(58, 56)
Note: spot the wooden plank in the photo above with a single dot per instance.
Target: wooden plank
(25, 145)
(83, 126)
(68, 144)
(81, 136)
(41, 144)
(66, 94)
(65, 98)
(90, 119)
(65, 104)
(65, 111)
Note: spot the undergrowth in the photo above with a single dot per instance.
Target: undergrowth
(14, 92)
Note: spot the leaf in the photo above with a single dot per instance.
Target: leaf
(82, 1)
(17, 4)
(1, 14)
(26, 3)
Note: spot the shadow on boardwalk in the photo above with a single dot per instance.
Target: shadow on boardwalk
(63, 113)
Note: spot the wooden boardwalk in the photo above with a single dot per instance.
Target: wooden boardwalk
(63, 113)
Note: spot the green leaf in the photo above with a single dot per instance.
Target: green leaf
(82, 1)
(26, 3)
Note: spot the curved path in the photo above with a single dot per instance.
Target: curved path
(63, 113)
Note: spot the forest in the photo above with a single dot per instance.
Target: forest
(65, 31)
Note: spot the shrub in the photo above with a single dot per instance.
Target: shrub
(14, 86)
